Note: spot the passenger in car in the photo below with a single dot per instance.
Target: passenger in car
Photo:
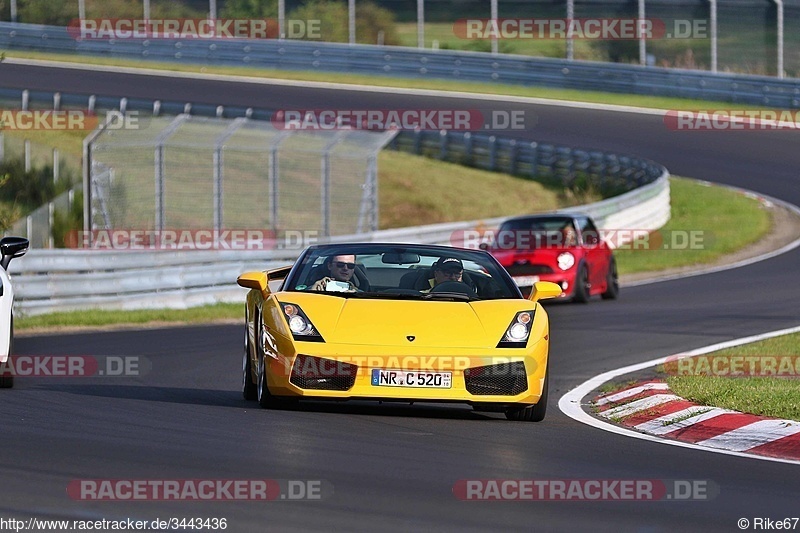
(445, 269)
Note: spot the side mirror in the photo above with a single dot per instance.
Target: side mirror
(254, 280)
(11, 247)
(483, 246)
(543, 290)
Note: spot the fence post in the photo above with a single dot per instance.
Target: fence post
(26, 97)
(512, 158)
(492, 152)
(2, 147)
(50, 223)
(159, 169)
(534, 159)
(56, 165)
(326, 182)
(443, 145)
(219, 168)
(27, 155)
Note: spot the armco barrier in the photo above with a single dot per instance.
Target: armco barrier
(414, 63)
(60, 280)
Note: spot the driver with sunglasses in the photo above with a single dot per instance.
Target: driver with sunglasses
(341, 269)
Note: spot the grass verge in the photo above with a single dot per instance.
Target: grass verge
(100, 317)
(768, 396)
(720, 220)
(654, 102)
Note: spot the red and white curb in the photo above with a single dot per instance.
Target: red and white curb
(652, 408)
(650, 411)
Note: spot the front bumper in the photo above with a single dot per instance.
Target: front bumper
(507, 376)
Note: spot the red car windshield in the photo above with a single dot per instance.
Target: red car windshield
(533, 233)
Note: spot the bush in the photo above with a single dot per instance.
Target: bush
(21, 192)
(244, 9)
(66, 225)
(333, 17)
(61, 12)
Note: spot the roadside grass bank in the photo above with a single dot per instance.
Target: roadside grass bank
(707, 223)
(769, 385)
(596, 97)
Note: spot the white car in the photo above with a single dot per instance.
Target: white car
(10, 247)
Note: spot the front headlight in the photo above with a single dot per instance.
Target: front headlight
(301, 327)
(518, 331)
(566, 261)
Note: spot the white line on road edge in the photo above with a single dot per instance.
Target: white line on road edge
(570, 404)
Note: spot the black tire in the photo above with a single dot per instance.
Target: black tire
(612, 282)
(249, 391)
(7, 381)
(581, 294)
(532, 413)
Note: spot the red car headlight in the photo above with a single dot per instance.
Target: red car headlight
(566, 261)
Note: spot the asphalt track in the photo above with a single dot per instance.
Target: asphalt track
(394, 467)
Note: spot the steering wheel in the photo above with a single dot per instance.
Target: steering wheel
(454, 286)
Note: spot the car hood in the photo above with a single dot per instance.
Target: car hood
(366, 321)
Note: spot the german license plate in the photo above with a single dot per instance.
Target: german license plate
(525, 281)
(407, 378)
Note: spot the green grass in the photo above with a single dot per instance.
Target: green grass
(727, 221)
(655, 102)
(101, 317)
(769, 396)
(415, 188)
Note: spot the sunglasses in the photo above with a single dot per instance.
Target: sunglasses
(349, 266)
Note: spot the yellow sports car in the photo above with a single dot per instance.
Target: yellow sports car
(396, 322)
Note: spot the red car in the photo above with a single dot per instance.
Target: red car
(565, 249)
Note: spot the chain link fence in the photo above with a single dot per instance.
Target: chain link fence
(193, 172)
(46, 224)
(747, 31)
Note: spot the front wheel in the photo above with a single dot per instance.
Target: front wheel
(249, 391)
(582, 285)
(612, 282)
(531, 413)
(6, 377)
(265, 398)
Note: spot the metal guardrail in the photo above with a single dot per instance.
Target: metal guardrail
(414, 63)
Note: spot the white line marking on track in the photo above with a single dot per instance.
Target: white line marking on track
(617, 396)
(688, 417)
(570, 404)
(752, 435)
(639, 405)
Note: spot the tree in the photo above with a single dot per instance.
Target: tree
(245, 9)
(333, 16)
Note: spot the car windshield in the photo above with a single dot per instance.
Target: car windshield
(401, 272)
(536, 232)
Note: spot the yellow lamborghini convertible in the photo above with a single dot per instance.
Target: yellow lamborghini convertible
(396, 322)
